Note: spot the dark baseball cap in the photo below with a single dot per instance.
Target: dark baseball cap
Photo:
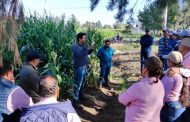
(165, 31)
(32, 54)
(147, 30)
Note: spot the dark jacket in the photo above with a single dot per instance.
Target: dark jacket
(6, 87)
(30, 81)
(105, 55)
(80, 54)
(56, 112)
(146, 42)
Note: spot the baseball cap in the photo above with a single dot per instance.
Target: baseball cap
(32, 54)
(185, 42)
(147, 30)
(183, 33)
(175, 57)
(165, 31)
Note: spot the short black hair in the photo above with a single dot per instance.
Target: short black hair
(48, 85)
(165, 31)
(7, 66)
(32, 54)
(107, 40)
(80, 35)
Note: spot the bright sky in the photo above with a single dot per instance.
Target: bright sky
(80, 8)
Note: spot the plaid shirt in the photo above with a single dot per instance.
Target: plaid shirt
(163, 47)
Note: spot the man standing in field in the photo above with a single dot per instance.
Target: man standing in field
(105, 55)
(146, 43)
(30, 77)
(80, 53)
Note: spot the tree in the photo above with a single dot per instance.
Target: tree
(123, 9)
(107, 27)
(11, 15)
(88, 24)
(98, 24)
(152, 14)
(149, 16)
(184, 18)
(119, 25)
(121, 6)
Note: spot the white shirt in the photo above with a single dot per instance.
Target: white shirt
(71, 117)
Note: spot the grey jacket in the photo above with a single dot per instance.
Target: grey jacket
(30, 81)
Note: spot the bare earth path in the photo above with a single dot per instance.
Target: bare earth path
(103, 105)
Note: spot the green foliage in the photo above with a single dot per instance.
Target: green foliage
(93, 71)
(87, 24)
(151, 16)
(53, 39)
(107, 33)
(119, 25)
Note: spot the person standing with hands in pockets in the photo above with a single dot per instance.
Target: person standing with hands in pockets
(105, 55)
(80, 52)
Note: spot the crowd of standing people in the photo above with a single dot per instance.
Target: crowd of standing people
(162, 94)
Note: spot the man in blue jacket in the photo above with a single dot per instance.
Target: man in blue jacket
(146, 43)
(105, 55)
(80, 53)
(12, 97)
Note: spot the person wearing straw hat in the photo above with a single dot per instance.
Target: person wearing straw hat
(175, 89)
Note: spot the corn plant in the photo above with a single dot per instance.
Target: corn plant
(93, 70)
(54, 39)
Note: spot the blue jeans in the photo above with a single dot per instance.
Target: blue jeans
(80, 77)
(172, 111)
(104, 74)
(144, 56)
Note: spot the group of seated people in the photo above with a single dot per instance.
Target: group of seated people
(162, 95)
(35, 98)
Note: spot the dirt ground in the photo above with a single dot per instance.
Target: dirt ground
(103, 105)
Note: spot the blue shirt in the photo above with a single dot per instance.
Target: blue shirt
(174, 44)
(105, 55)
(164, 47)
(80, 54)
(146, 42)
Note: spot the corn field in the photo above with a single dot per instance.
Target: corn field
(53, 38)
